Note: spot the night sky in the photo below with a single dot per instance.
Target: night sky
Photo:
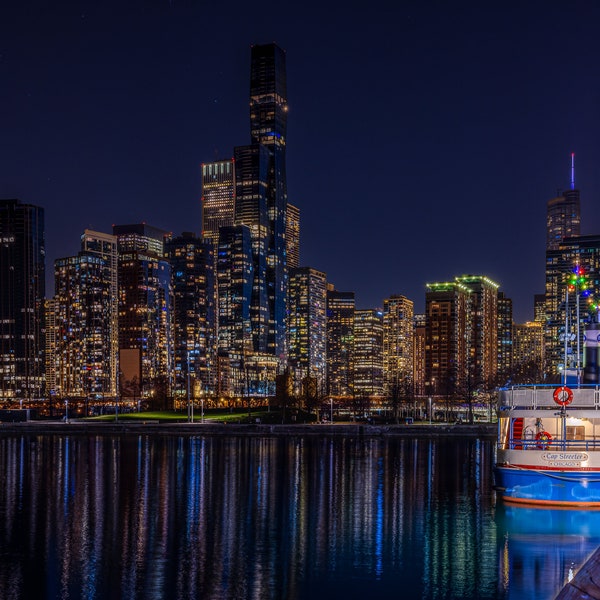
(424, 138)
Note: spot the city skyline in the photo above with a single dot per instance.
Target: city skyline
(453, 122)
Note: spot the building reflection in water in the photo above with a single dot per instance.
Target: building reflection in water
(242, 517)
(541, 548)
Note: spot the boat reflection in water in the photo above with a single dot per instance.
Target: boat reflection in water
(541, 546)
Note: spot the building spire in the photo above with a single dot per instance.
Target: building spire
(572, 170)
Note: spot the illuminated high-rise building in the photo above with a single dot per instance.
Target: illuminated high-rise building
(145, 311)
(251, 191)
(505, 336)
(292, 236)
(268, 128)
(340, 342)
(398, 344)
(368, 352)
(22, 290)
(234, 280)
(252, 164)
(461, 335)
(563, 216)
(420, 322)
(193, 276)
(49, 311)
(218, 197)
(308, 324)
(483, 324)
(528, 352)
(539, 308)
(104, 245)
(83, 327)
(446, 337)
(235, 276)
(577, 253)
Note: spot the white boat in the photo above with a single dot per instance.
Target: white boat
(548, 450)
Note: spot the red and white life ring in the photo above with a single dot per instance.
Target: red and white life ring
(543, 439)
(563, 395)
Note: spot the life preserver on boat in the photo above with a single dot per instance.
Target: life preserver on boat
(563, 395)
(543, 439)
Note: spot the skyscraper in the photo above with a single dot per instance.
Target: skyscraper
(398, 344)
(461, 335)
(368, 352)
(235, 270)
(307, 324)
(420, 326)
(483, 325)
(145, 312)
(340, 342)
(268, 128)
(22, 290)
(252, 169)
(83, 327)
(528, 351)
(539, 308)
(505, 336)
(193, 275)
(234, 280)
(218, 197)
(562, 309)
(563, 217)
(446, 337)
(104, 246)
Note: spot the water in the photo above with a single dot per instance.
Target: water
(241, 517)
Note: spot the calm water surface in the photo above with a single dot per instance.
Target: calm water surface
(211, 517)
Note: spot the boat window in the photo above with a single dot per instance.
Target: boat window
(575, 432)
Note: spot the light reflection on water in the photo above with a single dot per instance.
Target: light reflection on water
(242, 517)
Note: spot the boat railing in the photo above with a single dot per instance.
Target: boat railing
(554, 444)
(542, 396)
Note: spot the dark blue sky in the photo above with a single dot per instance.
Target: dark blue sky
(424, 138)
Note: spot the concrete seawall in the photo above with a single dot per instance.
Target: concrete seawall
(223, 429)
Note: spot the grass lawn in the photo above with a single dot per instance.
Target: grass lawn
(214, 415)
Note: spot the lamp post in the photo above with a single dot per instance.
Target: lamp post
(331, 410)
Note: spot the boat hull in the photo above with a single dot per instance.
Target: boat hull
(556, 487)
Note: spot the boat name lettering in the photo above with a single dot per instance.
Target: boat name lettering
(564, 456)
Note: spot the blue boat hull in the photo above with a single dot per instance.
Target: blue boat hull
(548, 487)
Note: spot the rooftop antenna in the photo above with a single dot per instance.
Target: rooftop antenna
(572, 170)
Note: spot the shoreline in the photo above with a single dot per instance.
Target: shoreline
(228, 429)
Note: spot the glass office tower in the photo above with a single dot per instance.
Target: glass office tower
(22, 290)
(268, 126)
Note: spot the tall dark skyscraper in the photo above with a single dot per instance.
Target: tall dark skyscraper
(563, 216)
(252, 164)
(22, 290)
(268, 127)
(254, 184)
(563, 222)
(193, 276)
